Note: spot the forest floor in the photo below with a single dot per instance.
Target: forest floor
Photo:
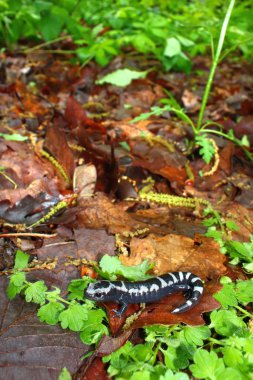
(65, 138)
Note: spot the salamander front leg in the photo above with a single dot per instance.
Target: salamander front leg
(121, 311)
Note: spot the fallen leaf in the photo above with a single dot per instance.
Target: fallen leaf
(171, 253)
(57, 145)
(31, 349)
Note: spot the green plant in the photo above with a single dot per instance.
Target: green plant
(220, 230)
(201, 131)
(181, 347)
(172, 32)
(75, 314)
(186, 347)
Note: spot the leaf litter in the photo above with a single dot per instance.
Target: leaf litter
(82, 125)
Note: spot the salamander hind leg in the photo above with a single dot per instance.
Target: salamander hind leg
(121, 311)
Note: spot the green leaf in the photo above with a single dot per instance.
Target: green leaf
(21, 260)
(35, 292)
(196, 335)
(73, 317)
(231, 225)
(169, 375)
(214, 233)
(248, 267)
(64, 375)
(226, 322)
(142, 43)
(52, 23)
(245, 141)
(13, 137)
(207, 364)
(210, 222)
(241, 250)
(172, 47)
(232, 356)
(157, 111)
(226, 296)
(141, 375)
(207, 148)
(125, 146)
(244, 291)
(111, 266)
(176, 357)
(229, 373)
(50, 312)
(16, 284)
(185, 41)
(76, 288)
(122, 77)
(93, 328)
(123, 351)
(53, 295)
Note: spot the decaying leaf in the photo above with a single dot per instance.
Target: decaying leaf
(171, 253)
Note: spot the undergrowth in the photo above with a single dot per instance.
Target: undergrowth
(173, 31)
(225, 344)
(202, 130)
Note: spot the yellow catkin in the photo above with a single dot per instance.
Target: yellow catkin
(216, 160)
(56, 164)
(151, 139)
(173, 200)
(61, 205)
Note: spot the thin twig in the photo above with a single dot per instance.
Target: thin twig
(29, 234)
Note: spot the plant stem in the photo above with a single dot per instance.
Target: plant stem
(214, 64)
(246, 314)
(44, 44)
(9, 179)
(29, 234)
(236, 141)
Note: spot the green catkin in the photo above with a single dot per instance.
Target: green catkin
(173, 200)
(50, 214)
(56, 164)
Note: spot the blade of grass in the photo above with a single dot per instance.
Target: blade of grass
(214, 64)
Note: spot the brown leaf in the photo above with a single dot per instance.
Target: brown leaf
(191, 101)
(74, 113)
(30, 349)
(28, 210)
(56, 143)
(94, 369)
(158, 160)
(93, 244)
(107, 345)
(160, 313)
(84, 180)
(174, 252)
(116, 323)
(100, 212)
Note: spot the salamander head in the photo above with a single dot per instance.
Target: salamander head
(100, 291)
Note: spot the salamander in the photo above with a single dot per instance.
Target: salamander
(151, 290)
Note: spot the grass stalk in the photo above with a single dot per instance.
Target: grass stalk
(214, 65)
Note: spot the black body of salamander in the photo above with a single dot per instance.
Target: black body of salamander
(151, 290)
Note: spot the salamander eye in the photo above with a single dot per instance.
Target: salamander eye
(98, 295)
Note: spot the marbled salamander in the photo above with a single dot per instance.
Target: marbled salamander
(151, 290)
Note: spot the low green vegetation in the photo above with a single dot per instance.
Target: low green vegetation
(171, 31)
(225, 344)
(202, 130)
